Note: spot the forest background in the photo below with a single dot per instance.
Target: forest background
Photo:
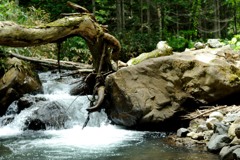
(138, 24)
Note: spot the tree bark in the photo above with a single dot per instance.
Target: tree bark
(159, 14)
(51, 63)
(235, 31)
(217, 20)
(82, 24)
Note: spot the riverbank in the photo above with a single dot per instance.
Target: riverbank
(215, 129)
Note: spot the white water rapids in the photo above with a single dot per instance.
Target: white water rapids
(98, 140)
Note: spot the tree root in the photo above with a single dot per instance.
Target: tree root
(101, 95)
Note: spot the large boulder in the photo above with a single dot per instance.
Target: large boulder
(18, 79)
(162, 89)
(48, 115)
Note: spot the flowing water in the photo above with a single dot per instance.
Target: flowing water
(98, 140)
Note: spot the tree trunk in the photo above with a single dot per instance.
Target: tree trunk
(119, 15)
(93, 6)
(159, 14)
(217, 20)
(123, 14)
(148, 17)
(235, 17)
(141, 14)
(84, 25)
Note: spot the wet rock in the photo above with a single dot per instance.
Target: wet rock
(220, 128)
(36, 124)
(182, 132)
(231, 117)
(49, 115)
(236, 154)
(18, 80)
(27, 100)
(4, 150)
(226, 152)
(217, 142)
(5, 120)
(85, 86)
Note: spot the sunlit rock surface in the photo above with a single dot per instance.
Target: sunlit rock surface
(161, 89)
(17, 80)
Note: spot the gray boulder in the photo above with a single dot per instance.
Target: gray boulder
(182, 132)
(217, 142)
(49, 115)
(228, 152)
(236, 154)
(214, 43)
(162, 89)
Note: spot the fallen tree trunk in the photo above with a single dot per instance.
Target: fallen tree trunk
(51, 63)
(82, 24)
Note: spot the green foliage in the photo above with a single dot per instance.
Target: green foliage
(135, 43)
(27, 16)
(235, 42)
(178, 43)
(75, 49)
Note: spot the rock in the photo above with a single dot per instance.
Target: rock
(235, 141)
(17, 81)
(226, 152)
(196, 124)
(201, 128)
(182, 132)
(27, 100)
(217, 142)
(210, 122)
(231, 117)
(220, 128)
(5, 150)
(5, 120)
(217, 115)
(196, 136)
(237, 132)
(236, 154)
(199, 45)
(207, 135)
(233, 126)
(214, 43)
(49, 115)
(157, 91)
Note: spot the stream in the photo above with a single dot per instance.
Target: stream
(98, 140)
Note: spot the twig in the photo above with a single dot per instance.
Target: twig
(206, 112)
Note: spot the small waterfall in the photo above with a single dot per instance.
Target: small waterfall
(55, 105)
(63, 137)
